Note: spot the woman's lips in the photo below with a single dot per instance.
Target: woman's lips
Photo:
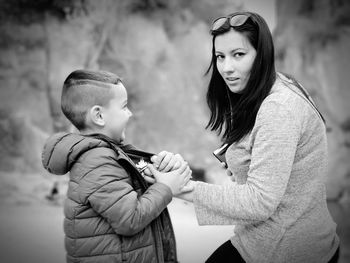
(231, 79)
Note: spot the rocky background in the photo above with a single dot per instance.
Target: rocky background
(312, 40)
(161, 49)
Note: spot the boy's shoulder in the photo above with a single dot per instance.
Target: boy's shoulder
(62, 150)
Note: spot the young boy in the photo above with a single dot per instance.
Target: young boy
(111, 214)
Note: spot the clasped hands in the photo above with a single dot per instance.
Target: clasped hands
(171, 170)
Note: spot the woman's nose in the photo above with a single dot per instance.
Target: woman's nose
(228, 66)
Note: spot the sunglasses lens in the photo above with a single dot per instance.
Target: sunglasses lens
(218, 23)
(238, 20)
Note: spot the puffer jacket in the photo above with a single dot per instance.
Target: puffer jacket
(111, 215)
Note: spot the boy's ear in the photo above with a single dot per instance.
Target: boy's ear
(96, 115)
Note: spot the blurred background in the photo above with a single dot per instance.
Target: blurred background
(161, 49)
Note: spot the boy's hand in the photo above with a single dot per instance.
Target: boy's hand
(148, 176)
(167, 161)
(176, 179)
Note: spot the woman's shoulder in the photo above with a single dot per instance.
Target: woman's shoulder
(285, 94)
(285, 103)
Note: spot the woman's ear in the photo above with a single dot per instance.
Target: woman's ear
(96, 116)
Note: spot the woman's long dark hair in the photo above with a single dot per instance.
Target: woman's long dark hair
(232, 113)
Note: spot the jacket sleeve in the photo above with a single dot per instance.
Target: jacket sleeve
(274, 142)
(111, 194)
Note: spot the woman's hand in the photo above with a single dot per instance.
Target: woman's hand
(188, 195)
(164, 162)
(167, 161)
(176, 179)
(228, 172)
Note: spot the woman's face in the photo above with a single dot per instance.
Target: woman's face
(235, 57)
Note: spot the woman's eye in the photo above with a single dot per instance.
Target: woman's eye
(219, 57)
(238, 54)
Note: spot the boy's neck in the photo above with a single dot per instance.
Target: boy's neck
(97, 132)
(87, 131)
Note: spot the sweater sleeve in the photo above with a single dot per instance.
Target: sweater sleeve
(111, 194)
(274, 141)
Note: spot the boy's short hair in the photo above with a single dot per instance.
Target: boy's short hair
(84, 89)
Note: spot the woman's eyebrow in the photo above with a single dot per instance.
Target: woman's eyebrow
(233, 50)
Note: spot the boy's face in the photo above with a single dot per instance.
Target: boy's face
(116, 114)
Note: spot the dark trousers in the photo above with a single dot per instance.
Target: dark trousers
(225, 253)
(228, 253)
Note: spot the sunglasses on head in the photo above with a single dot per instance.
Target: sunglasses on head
(234, 21)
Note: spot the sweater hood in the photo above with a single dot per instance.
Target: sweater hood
(62, 150)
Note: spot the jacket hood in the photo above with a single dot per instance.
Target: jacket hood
(62, 150)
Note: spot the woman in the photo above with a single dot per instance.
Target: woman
(277, 154)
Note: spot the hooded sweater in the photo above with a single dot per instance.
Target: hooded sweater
(110, 213)
(278, 201)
